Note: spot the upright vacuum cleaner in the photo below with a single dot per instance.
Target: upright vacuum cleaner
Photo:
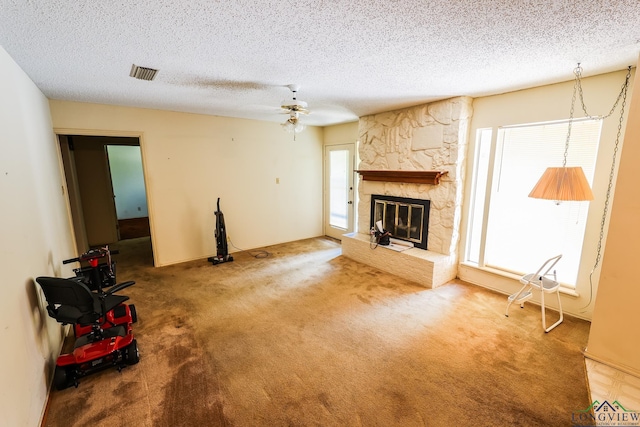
(221, 240)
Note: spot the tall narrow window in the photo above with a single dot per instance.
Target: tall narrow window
(338, 182)
(521, 231)
(478, 194)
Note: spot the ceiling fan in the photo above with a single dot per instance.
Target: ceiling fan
(294, 108)
(253, 99)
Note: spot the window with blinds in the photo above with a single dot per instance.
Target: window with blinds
(514, 232)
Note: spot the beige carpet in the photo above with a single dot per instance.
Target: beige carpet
(307, 337)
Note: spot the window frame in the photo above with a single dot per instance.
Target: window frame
(474, 199)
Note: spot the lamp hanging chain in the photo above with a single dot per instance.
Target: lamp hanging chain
(623, 93)
(577, 87)
(576, 84)
(622, 96)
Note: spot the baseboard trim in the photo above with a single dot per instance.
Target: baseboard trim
(502, 282)
(619, 367)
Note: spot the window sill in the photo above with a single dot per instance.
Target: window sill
(564, 289)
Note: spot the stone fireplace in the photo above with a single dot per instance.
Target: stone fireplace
(397, 150)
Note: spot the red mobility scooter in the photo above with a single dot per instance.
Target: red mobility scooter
(102, 322)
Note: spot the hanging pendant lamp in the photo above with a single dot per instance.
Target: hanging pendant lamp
(570, 183)
(564, 183)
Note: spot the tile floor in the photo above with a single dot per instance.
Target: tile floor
(607, 383)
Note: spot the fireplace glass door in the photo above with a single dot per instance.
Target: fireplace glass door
(405, 219)
(401, 220)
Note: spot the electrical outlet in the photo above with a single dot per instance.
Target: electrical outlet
(277, 180)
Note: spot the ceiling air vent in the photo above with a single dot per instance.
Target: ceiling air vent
(143, 73)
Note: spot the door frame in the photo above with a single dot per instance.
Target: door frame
(329, 230)
(79, 235)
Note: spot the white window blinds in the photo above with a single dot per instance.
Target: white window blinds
(522, 232)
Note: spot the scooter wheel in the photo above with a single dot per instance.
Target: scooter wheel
(134, 314)
(62, 378)
(131, 354)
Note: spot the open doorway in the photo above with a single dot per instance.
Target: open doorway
(107, 193)
(127, 181)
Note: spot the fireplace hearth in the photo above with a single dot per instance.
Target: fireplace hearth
(405, 218)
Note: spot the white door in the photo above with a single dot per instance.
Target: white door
(338, 190)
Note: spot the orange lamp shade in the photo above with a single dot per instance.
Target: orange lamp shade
(562, 184)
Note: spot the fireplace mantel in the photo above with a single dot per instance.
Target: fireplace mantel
(416, 177)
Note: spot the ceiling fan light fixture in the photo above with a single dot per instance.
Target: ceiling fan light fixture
(293, 124)
(294, 108)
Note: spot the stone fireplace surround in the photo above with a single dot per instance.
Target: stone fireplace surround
(430, 137)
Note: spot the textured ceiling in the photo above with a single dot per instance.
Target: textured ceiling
(350, 57)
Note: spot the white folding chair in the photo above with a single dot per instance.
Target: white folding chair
(542, 281)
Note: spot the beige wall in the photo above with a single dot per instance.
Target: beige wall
(190, 160)
(614, 331)
(35, 237)
(541, 104)
(346, 133)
